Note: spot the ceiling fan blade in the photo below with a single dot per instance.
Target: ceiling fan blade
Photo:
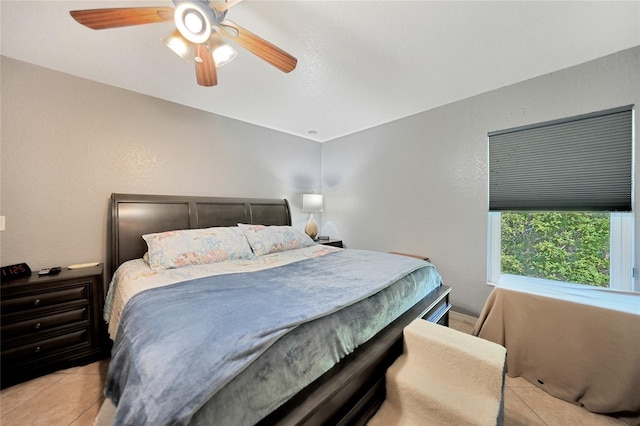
(99, 19)
(206, 74)
(258, 46)
(222, 5)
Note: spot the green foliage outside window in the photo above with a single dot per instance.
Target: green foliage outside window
(563, 246)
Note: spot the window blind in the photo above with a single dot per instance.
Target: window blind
(581, 163)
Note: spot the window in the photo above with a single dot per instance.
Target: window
(560, 201)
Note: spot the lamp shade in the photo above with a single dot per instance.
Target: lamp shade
(312, 203)
(223, 53)
(180, 45)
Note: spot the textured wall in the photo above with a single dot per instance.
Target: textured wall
(68, 143)
(417, 185)
(420, 184)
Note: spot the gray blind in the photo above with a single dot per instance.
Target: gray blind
(582, 163)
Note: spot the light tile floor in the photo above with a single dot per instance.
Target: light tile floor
(67, 397)
(74, 396)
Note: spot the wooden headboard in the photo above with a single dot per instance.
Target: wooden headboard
(134, 215)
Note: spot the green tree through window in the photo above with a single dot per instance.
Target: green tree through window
(562, 246)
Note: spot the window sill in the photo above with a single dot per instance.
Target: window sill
(579, 293)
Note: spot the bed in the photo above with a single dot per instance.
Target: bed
(345, 385)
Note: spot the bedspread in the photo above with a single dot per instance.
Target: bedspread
(179, 344)
(135, 276)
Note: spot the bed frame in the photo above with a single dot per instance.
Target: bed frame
(135, 215)
(349, 393)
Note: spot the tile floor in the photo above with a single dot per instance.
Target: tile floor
(67, 397)
(73, 397)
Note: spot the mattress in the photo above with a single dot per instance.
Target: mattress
(298, 357)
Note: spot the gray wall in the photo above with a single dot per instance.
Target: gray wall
(415, 185)
(420, 184)
(68, 143)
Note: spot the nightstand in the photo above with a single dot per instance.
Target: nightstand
(334, 243)
(412, 255)
(51, 322)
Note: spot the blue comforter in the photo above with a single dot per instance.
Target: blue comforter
(178, 345)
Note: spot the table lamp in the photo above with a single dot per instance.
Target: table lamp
(311, 203)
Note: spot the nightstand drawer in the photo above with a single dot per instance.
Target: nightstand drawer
(43, 323)
(42, 348)
(45, 298)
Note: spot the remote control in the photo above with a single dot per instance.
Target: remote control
(50, 271)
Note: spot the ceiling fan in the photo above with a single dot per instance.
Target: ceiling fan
(200, 25)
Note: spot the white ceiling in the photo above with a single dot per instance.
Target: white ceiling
(360, 63)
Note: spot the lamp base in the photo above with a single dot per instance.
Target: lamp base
(311, 229)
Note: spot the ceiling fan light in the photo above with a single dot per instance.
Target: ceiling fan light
(224, 54)
(193, 22)
(179, 45)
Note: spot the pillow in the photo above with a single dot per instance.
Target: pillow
(271, 239)
(174, 249)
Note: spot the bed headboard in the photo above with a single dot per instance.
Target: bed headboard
(134, 215)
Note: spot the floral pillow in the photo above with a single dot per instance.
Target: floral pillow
(174, 249)
(271, 239)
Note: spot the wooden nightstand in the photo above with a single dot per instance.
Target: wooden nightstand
(412, 255)
(51, 322)
(334, 243)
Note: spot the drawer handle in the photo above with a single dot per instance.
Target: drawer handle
(37, 349)
(36, 302)
(37, 326)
